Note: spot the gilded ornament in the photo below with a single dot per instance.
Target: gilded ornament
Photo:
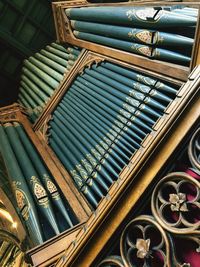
(130, 14)
(142, 88)
(86, 165)
(96, 153)
(111, 136)
(114, 133)
(83, 172)
(126, 114)
(132, 101)
(122, 119)
(100, 149)
(107, 140)
(129, 108)
(119, 125)
(76, 178)
(144, 36)
(142, 247)
(178, 202)
(145, 80)
(144, 50)
(91, 159)
(22, 203)
(51, 187)
(104, 145)
(144, 14)
(137, 95)
(38, 189)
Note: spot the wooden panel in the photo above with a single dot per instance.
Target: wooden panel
(51, 250)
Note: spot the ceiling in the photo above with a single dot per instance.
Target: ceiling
(25, 27)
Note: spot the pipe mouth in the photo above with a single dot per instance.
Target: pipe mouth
(15, 123)
(67, 11)
(7, 124)
(73, 23)
(76, 33)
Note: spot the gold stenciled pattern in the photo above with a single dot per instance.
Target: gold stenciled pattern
(145, 50)
(22, 203)
(39, 190)
(50, 185)
(144, 36)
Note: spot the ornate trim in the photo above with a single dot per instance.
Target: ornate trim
(9, 113)
(44, 129)
(148, 240)
(91, 59)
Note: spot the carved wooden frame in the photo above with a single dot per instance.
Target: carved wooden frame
(184, 96)
(123, 194)
(64, 34)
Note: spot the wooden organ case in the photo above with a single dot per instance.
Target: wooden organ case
(116, 133)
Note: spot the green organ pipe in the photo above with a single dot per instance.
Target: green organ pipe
(21, 191)
(43, 173)
(38, 191)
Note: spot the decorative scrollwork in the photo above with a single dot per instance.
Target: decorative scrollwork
(175, 203)
(88, 63)
(9, 113)
(8, 117)
(44, 129)
(194, 149)
(144, 243)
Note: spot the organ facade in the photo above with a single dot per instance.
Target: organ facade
(100, 154)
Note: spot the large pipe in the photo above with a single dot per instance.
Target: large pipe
(152, 37)
(146, 17)
(43, 173)
(148, 51)
(21, 191)
(37, 189)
